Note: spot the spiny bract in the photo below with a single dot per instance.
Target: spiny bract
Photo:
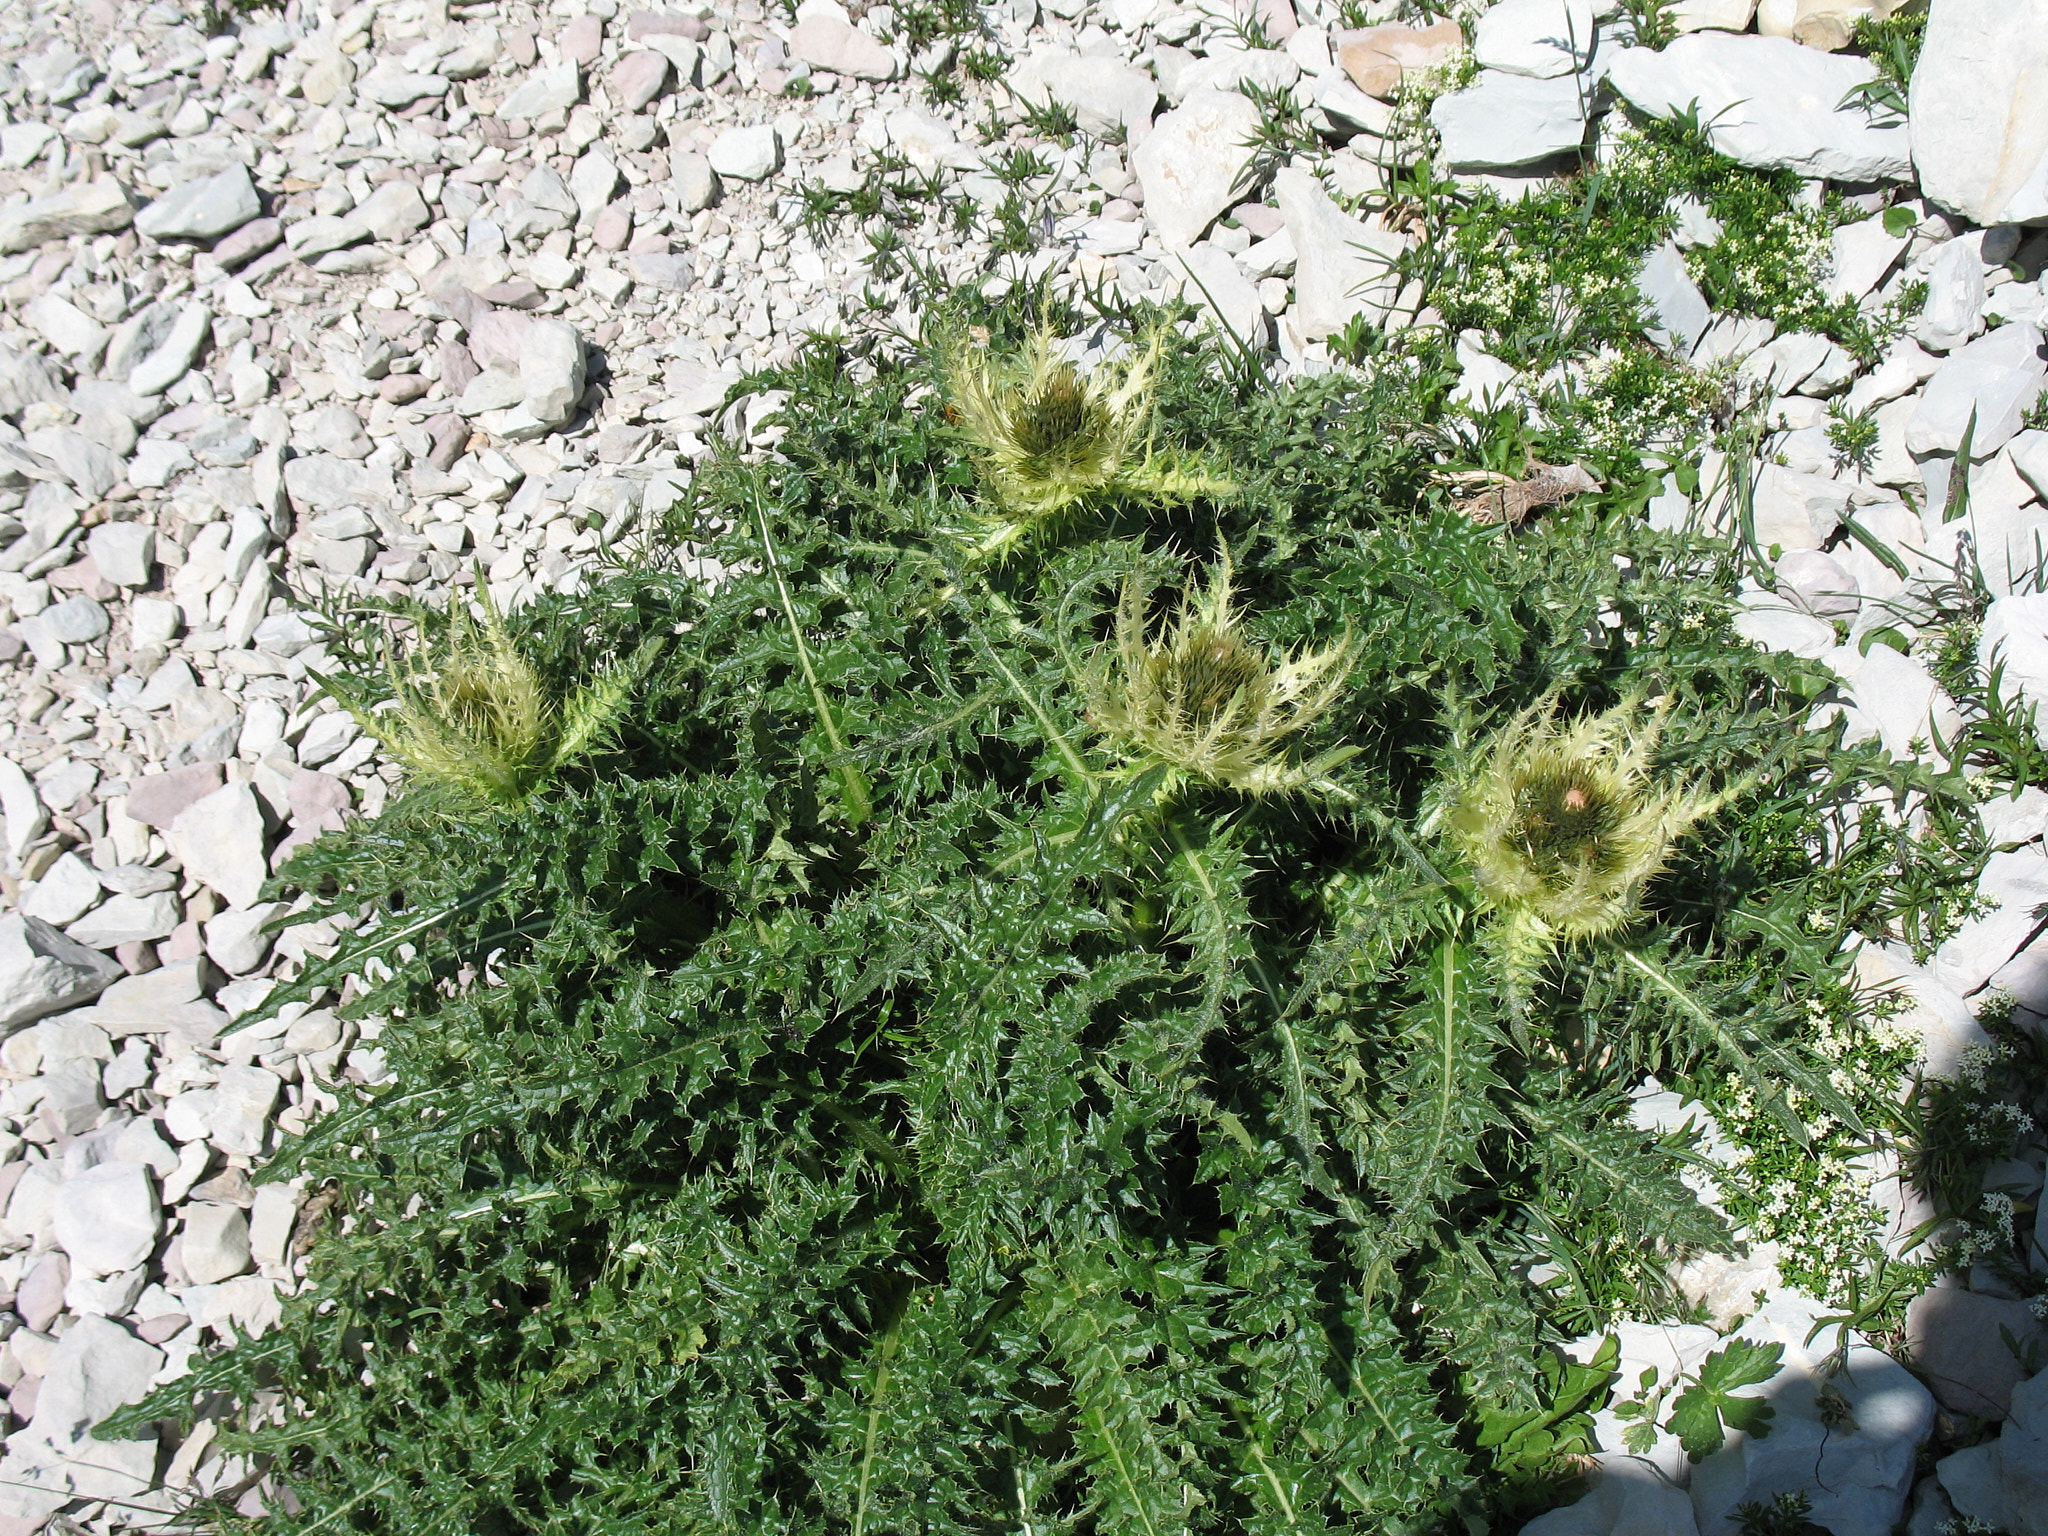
(475, 716)
(1203, 701)
(1048, 437)
(1562, 824)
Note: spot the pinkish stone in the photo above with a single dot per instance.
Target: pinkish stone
(248, 242)
(157, 1330)
(612, 227)
(458, 367)
(137, 956)
(41, 1297)
(318, 800)
(582, 39)
(496, 335)
(1377, 57)
(186, 942)
(640, 78)
(654, 24)
(155, 799)
(1278, 18)
(401, 388)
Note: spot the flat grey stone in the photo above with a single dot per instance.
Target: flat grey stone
(43, 972)
(128, 920)
(90, 208)
(125, 553)
(402, 90)
(165, 365)
(1502, 121)
(76, 620)
(1678, 309)
(551, 88)
(203, 208)
(1538, 38)
(1769, 103)
(67, 891)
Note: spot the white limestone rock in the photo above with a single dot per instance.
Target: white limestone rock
(220, 840)
(1211, 281)
(237, 940)
(167, 364)
(832, 42)
(1954, 311)
(1900, 697)
(2010, 889)
(1343, 266)
(43, 972)
(1932, 1010)
(215, 1244)
(1769, 103)
(1539, 38)
(97, 1366)
(1106, 95)
(1503, 121)
(1979, 105)
(1994, 382)
(550, 88)
(1777, 626)
(747, 154)
(1857, 1473)
(1193, 163)
(1797, 511)
(125, 553)
(2003, 1483)
(127, 920)
(2015, 638)
(1712, 15)
(1628, 1498)
(68, 890)
(1678, 310)
(239, 1117)
(85, 208)
(107, 1218)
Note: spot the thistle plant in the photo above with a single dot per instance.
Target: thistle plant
(1048, 437)
(472, 714)
(1563, 823)
(1204, 701)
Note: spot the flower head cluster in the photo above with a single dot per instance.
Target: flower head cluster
(1562, 823)
(1204, 701)
(472, 713)
(1048, 437)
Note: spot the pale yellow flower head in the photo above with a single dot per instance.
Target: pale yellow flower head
(1562, 822)
(1204, 701)
(471, 713)
(1048, 438)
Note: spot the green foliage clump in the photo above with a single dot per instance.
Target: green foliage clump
(1551, 281)
(896, 1112)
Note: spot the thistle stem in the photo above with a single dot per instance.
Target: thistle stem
(852, 783)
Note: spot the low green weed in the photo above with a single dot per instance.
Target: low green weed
(919, 1099)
